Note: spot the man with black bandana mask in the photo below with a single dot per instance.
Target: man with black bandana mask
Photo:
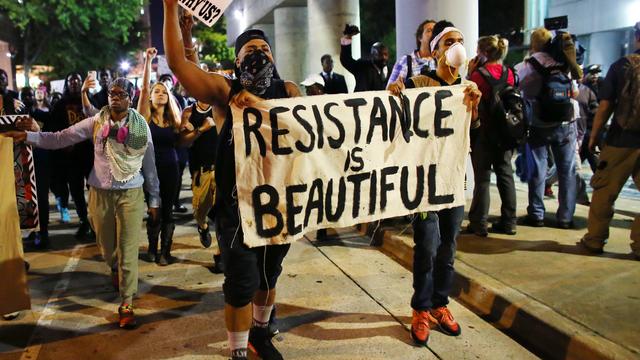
(249, 286)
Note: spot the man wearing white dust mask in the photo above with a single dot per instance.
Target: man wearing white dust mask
(435, 232)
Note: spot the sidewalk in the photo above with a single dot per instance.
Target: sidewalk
(543, 289)
(341, 299)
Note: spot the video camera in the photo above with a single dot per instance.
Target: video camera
(556, 23)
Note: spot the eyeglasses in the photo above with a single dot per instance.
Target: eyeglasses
(119, 95)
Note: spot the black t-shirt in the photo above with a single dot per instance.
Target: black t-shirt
(203, 151)
(100, 99)
(227, 212)
(7, 107)
(610, 90)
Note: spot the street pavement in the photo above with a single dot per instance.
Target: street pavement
(345, 299)
(339, 299)
(542, 288)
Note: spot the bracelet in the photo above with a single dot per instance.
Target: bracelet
(189, 50)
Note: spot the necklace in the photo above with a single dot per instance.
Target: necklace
(201, 109)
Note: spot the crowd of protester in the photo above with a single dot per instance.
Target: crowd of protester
(548, 111)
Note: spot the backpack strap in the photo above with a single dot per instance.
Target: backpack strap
(538, 67)
(409, 66)
(493, 82)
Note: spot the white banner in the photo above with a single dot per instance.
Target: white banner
(207, 11)
(304, 164)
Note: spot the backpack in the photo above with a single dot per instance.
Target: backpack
(423, 71)
(506, 109)
(628, 105)
(554, 98)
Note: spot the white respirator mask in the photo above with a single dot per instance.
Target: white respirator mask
(456, 55)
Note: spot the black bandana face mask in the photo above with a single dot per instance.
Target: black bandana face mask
(256, 72)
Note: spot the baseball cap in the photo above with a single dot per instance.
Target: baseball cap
(313, 79)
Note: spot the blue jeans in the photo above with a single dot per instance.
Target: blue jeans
(433, 256)
(562, 140)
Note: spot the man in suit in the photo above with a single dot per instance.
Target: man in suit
(333, 83)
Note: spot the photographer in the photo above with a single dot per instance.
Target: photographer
(545, 83)
(420, 60)
(371, 74)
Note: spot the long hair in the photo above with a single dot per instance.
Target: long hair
(494, 47)
(65, 91)
(171, 113)
(420, 30)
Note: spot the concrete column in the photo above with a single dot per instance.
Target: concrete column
(270, 31)
(291, 39)
(535, 11)
(465, 16)
(409, 14)
(326, 22)
(605, 48)
(462, 13)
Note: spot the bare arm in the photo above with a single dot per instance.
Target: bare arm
(292, 89)
(143, 103)
(209, 88)
(604, 112)
(87, 107)
(186, 24)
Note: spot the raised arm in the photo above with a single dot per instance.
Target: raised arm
(143, 103)
(186, 24)
(87, 107)
(212, 89)
(346, 59)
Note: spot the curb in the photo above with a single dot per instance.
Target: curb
(536, 326)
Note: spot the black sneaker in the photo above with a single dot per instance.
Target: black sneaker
(260, 343)
(218, 266)
(529, 221)
(181, 209)
(84, 231)
(478, 230)
(565, 225)
(205, 237)
(503, 228)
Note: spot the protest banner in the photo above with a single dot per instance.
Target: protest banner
(25, 177)
(304, 164)
(207, 11)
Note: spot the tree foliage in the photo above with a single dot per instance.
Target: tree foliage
(74, 34)
(214, 42)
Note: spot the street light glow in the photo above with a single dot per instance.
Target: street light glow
(124, 65)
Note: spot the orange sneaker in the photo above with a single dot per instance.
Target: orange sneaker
(420, 327)
(442, 316)
(127, 320)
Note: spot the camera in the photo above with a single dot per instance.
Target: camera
(350, 30)
(556, 23)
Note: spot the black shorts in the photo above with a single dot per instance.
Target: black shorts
(247, 269)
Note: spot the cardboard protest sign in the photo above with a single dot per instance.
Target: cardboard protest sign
(25, 177)
(207, 11)
(304, 164)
